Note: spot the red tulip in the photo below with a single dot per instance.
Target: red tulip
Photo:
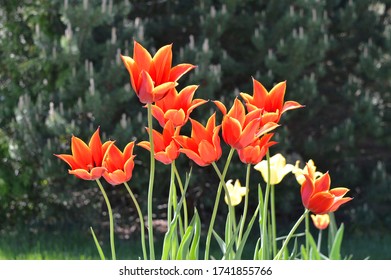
(165, 147)
(271, 103)
(317, 196)
(256, 151)
(203, 147)
(176, 106)
(86, 160)
(119, 164)
(152, 78)
(240, 129)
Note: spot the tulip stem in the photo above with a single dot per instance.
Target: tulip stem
(278, 256)
(185, 215)
(141, 218)
(151, 183)
(245, 207)
(264, 242)
(273, 216)
(111, 221)
(319, 240)
(307, 232)
(216, 205)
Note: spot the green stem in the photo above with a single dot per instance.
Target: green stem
(111, 221)
(288, 238)
(185, 215)
(319, 240)
(151, 182)
(141, 218)
(170, 195)
(231, 210)
(264, 212)
(245, 208)
(307, 232)
(216, 205)
(273, 214)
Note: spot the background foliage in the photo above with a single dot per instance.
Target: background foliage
(61, 74)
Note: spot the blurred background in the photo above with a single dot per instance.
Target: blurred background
(61, 75)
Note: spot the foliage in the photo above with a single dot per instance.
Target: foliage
(61, 74)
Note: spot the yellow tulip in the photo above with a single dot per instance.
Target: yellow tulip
(321, 221)
(235, 192)
(278, 169)
(299, 173)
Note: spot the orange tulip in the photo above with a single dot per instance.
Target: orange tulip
(176, 106)
(86, 160)
(152, 78)
(317, 196)
(240, 129)
(166, 149)
(256, 151)
(272, 103)
(119, 165)
(203, 147)
(321, 222)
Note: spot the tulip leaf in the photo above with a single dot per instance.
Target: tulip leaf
(220, 241)
(186, 240)
(313, 253)
(98, 247)
(335, 253)
(194, 248)
(304, 254)
(256, 250)
(239, 251)
(332, 231)
(168, 237)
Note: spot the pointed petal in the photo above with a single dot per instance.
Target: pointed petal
(178, 71)
(291, 105)
(259, 95)
(96, 148)
(221, 107)
(276, 96)
(69, 160)
(320, 203)
(81, 153)
(248, 135)
(146, 88)
(322, 184)
(162, 64)
(337, 203)
(142, 57)
(158, 114)
(267, 128)
(145, 144)
(206, 151)
(307, 189)
(232, 130)
(161, 90)
(193, 156)
(178, 117)
(133, 70)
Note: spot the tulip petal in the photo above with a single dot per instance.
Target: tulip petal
(232, 130)
(142, 57)
(322, 184)
(178, 71)
(95, 145)
(307, 189)
(320, 203)
(81, 153)
(194, 157)
(158, 114)
(162, 64)
(146, 88)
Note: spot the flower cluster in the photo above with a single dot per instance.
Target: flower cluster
(247, 128)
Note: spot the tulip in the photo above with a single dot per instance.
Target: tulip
(119, 165)
(299, 173)
(235, 192)
(317, 196)
(86, 160)
(272, 103)
(166, 149)
(240, 129)
(278, 169)
(256, 151)
(176, 106)
(203, 147)
(321, 222)
(153, 78)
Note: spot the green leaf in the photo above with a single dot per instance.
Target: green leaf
(98, 247)
(256, 250)
(184, 246)
(304, 254)
(245, 236)
(335, 253)
(332, 231)
(220, 241)
(314, 253)
(167, 243)
(194, 248)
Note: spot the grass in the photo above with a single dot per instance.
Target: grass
(80, 246)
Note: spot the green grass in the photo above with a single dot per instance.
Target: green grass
(80, 246)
